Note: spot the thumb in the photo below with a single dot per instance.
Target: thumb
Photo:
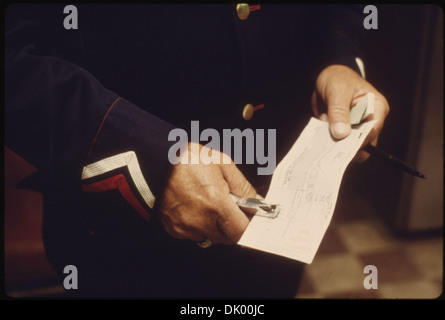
(338, 100)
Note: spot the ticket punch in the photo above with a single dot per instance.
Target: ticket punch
(258, 207)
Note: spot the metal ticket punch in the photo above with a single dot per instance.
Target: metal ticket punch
(258, 207)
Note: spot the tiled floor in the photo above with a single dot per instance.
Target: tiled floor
(408, 267)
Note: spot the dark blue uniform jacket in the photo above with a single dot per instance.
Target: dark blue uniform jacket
(91, 109)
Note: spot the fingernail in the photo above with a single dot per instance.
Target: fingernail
(340, 130)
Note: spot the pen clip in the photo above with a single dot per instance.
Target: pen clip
(258, 207)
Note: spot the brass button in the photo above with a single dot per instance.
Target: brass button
(243, 10)
(248, 112)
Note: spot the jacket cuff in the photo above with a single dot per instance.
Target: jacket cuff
(129, 153)
(342, 51)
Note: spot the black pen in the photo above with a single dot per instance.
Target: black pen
(392, 160)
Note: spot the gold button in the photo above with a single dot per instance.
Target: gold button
(248, 112)
(243, 10)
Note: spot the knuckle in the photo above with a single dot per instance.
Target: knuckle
(176, 231)
(211, 194)
(225, 158)
(383, 102)
(188, 222)
(337, 110)
(177, 225)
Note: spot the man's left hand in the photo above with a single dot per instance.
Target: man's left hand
(337, 89)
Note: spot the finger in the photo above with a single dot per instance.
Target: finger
(315, 104)
(178, 231)
(238, 184)
(232, 221)
(319, 108)
(381, 110)
(196, 229)
(338, 99)
(361, 155)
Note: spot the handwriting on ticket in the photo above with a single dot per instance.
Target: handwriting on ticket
(306, 185)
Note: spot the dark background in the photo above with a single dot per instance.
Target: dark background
(404, 61)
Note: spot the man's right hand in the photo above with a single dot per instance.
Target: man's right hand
(196, 203)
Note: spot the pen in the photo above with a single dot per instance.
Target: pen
(392, 160)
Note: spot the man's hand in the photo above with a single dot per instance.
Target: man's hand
(196, 203)
(337, 89)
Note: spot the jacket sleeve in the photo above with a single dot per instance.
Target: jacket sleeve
(341, 32)
(77, 133)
